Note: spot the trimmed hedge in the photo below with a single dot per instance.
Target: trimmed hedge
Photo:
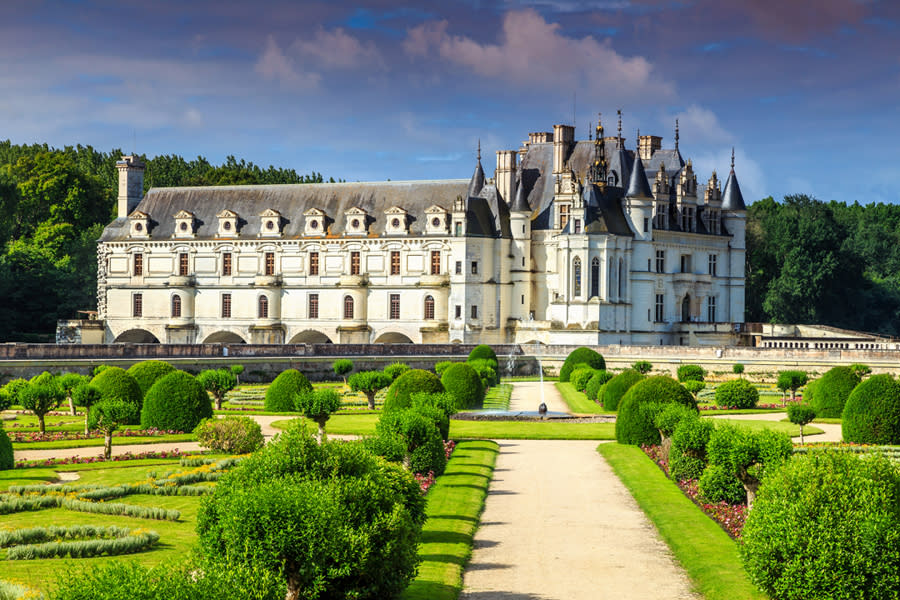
(487, 371)
(420, 433)
(399, 395)
(635, 422)
(146, 373)
(395, 370)
(177, 401)
(578, 356)
(616, 387)
(231, 434)
(116, 541)
(116, 384)
(595, 383)
(281, 392)
(737, 393)
(463, 383)
(872, 412)
(718, 484)
(690, 373)
(580, 377)
(687, 457)
(832, 391)
(483, 351)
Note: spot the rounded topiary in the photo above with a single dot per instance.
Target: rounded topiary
(395, 370)
(872, 412)
(486, 369)
(826, 525)
(6, 451)
(687, 457)
(832, 391)
(281, 392)
(399, 395)
(616, 387)
(176, 402)
(690, 373)
(116, 384)
(737, 393)
(147, 372)
(483, 351)
(580, 377)
(578, 356)
(595, 383)
(463, 383)
(718, 484)
(635, 422)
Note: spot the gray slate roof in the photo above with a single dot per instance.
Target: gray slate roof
(638, 187)
(732, 199)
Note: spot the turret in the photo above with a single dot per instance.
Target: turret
(639, 201)
(477, 181)
(131, 184)
(734, 211)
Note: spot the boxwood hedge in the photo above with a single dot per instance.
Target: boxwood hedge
(578, 356)
(580, 377)
(832, 391)
(6, 451)
(616, 387)
(177, 401)
(872, 412)
(483, 351)
(281, 392)
(595, 383)
(635, 422)
(737, 393)
(399, 395)
(147, 372)
(463, 383)
(116, 384)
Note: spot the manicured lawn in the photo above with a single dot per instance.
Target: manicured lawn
(455, 503)
(578, 402)
(116, 441)
(497, 398)
(779, 426)
(707, 554)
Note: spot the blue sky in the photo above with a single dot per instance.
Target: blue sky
(807, 91)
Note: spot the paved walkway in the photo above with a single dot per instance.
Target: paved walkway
(526, 395)
(832, 432)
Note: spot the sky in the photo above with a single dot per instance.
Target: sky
(807, 92)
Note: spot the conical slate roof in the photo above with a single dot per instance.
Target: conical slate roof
(520, 204)
(732, 199)
(477, 181)
(638, 187)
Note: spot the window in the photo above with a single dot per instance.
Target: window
(226, 263)
(685, 263)
(395, 306)
(595, 277)
(183, 264)
(660, 261)
(348, 307)
(621, 279)
(270, 263)
(646, 224)
(577, 225)
(712, 264)
(711, 309)
(395, 262)
(354, 264)
(262, 309)
(459, 267)
(138, 264)
(458, 229)
(474, 267)
(458, 311)
(176, 306)
(576, 277)
(660, 308)
(313, 263)
(226, 306)
(523, 300)
(137, 305)
(435, 262)
(312, 306)
(474, 311)
(563, 215)
(429, 308)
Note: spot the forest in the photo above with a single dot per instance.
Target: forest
(808, 261)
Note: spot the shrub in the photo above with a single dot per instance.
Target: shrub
(592, 389)
(231, 434)
(5, 399)
(12, 390)
(690, 373)
(801, 414)
(121, 509)
(369, 383)
(580, 377)
(115, 383)
(6, 451)
(86, 395)
(809, 392)
(63, 541)
(487, 371)
(483, 352)
(464, 384)
(146, 373)
(317, 406)
(635, 422)
(68, 382)
(748, 454)
(578, 356)
(106, 416)
(424, 444)
(98, 369)
(399, 395)
(616, 387)
(395, 370)
(669, 416)
(832, 391)
(177, 401)
(687, 458)
(40, 396)
(737, 369)
(281, 392)
(217, 382)
(642, 366)
(440, 367)
(438, 408)
(718, 484)
(737, 393)
(861, 370)
(791, 380)
(872, 412)
(826, 525)
(341, 367)
(694, 386)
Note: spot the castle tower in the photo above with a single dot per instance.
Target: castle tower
(131, 184)
(520, 254)
(734, 219)
(639, 202)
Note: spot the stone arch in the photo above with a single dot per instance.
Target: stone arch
(310, 336)
(393, 337)
(224, 337)
(136, 336)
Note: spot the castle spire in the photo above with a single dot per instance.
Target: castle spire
(619, 137)
(598, 168)
(477, 181)
(676, 134)
(479, 149)
(732, 159)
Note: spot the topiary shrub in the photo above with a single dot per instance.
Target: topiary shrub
(832, 391)
(737, 393)
(738, 369)
(424, 444)
(369, 383)
(801, 414)
(637, 412)
(395, 370)
(690, 373)
(177, 401)
(809, 392)
(718, 484)
(487, 371)
(440, 367)
(342, 367)
(687, 457)
(7, 461)
(437, 407)
(399, 395)
(281, 392)
(147, 372)
(748, 454)
(231, 434)
(580, 377)
(483, 352)
(694, 386)
(116, 384)
(578, 356)
(463, 383)
(317, 406)
(826, 525)
(595, 383)
(872, 412)
(615, 388)
(642, 366)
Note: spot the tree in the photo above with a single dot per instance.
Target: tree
(217, 382)
(791, 380)
(107, 415)
(861, 370)
(12, 392)
(642, 366)
(801, 414)
(238, 370)
(738, 369)
(40, 397)
(341, 367)
(317, 406)
(369, 383)
(86, 395)
(68, 382)
(748, 454)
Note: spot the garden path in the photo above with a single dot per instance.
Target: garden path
(832, 431)
(526, 395)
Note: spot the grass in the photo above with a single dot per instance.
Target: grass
(116, 441)
(455, 503)
(707, 554)
(578, 402)
(779, 426)
(497, 398)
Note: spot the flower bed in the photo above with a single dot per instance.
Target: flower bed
(82, 460)
(767, 406)
(426, 481)
(60, 436)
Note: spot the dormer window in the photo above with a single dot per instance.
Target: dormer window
(355, 223)
(437, 220)
(184, 224)
(228, 223)
(315, 222)
(270, 223)
(139, 224)
(396, 221)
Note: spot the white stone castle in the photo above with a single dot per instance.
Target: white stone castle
(569, 243)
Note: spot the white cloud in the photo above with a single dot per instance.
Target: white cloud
(337, 49)
(749, 174)
(700, 125)
(275, 65)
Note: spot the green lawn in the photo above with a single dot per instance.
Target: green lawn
(779, 426)
(454, 507)
(578, 402)
(116, 441)
(707, 554)
(497, 398)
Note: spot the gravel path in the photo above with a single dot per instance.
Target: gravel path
(832, 432)
(526, 395)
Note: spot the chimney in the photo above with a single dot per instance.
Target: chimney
(131, 184)
(647, 145)
(506, 174)
(563, 141)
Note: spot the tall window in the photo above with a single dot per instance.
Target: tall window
(685, 263)
(226, 263)
(312, 307)
(595, 277)
(563, 215)
(395, 262)
(474, 267)
(660, 261)
(226, 306)
(711, 309)
(660, 308)
(621, 279)
(313, 263)
(354, 263)
(435, 262)
(457, 311)
(138, 264)
(262, 309)
(712, 264)
(270, 263)
(395, 306)
(137, 305)
(576, 277)
(474, 312)
(458, 229)
(577, 225)
(429, 308)
(348, 307)
(459, 267)
(183, 264)
(176, 306)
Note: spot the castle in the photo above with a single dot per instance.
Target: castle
(570, 242)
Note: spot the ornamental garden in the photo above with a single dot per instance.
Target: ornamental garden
(371, 473)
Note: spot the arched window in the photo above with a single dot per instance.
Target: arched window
(176, 305)
(621, 279)
(348, 307)
(576, 277)
(429, 308)
(595, 277)
(262, 310)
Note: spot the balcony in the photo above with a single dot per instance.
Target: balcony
(181, 281)
(354, 280)
(434, 280)
(267, 281)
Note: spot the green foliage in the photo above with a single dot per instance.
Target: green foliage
(107, 415)
(115, 383)
(737, 369)
(694, 386)
(690, 373)
(637, 412)
(121, 509)
(421, 436)
(861, 370)
(281, 392)
(580, 377)
(483, 352)
(177, 402)
(369, 383)
(687, 457)
(670, 415)
(7, 460)
(399, 394)
(748, 454)
(832, 391)
(642, 366)
(463, 383)
(592, 389)
(826, 525)
(440, 367)
(5, 399)
(872, 412)
(40, 396)
(437, 407)
(616, 387)
(395, 370)
(341, 367)
(59, 542)
(791, 380)
(237, 370)
(12, 390)
(719, 484)
(218, 382)
(147, 372)
(801, 414)
(578, 356)
(318, 405)
(737, 393)
(231, 434)
(487, 371)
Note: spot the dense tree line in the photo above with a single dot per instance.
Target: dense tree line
(54, 204)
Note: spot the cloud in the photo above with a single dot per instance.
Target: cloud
(337, 49)
(700, 125)
(274, 65)
(749, 173)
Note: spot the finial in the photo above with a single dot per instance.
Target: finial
(732, 159)
(620, 126)
(590, 132)
(676, 134)
(479, 149)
